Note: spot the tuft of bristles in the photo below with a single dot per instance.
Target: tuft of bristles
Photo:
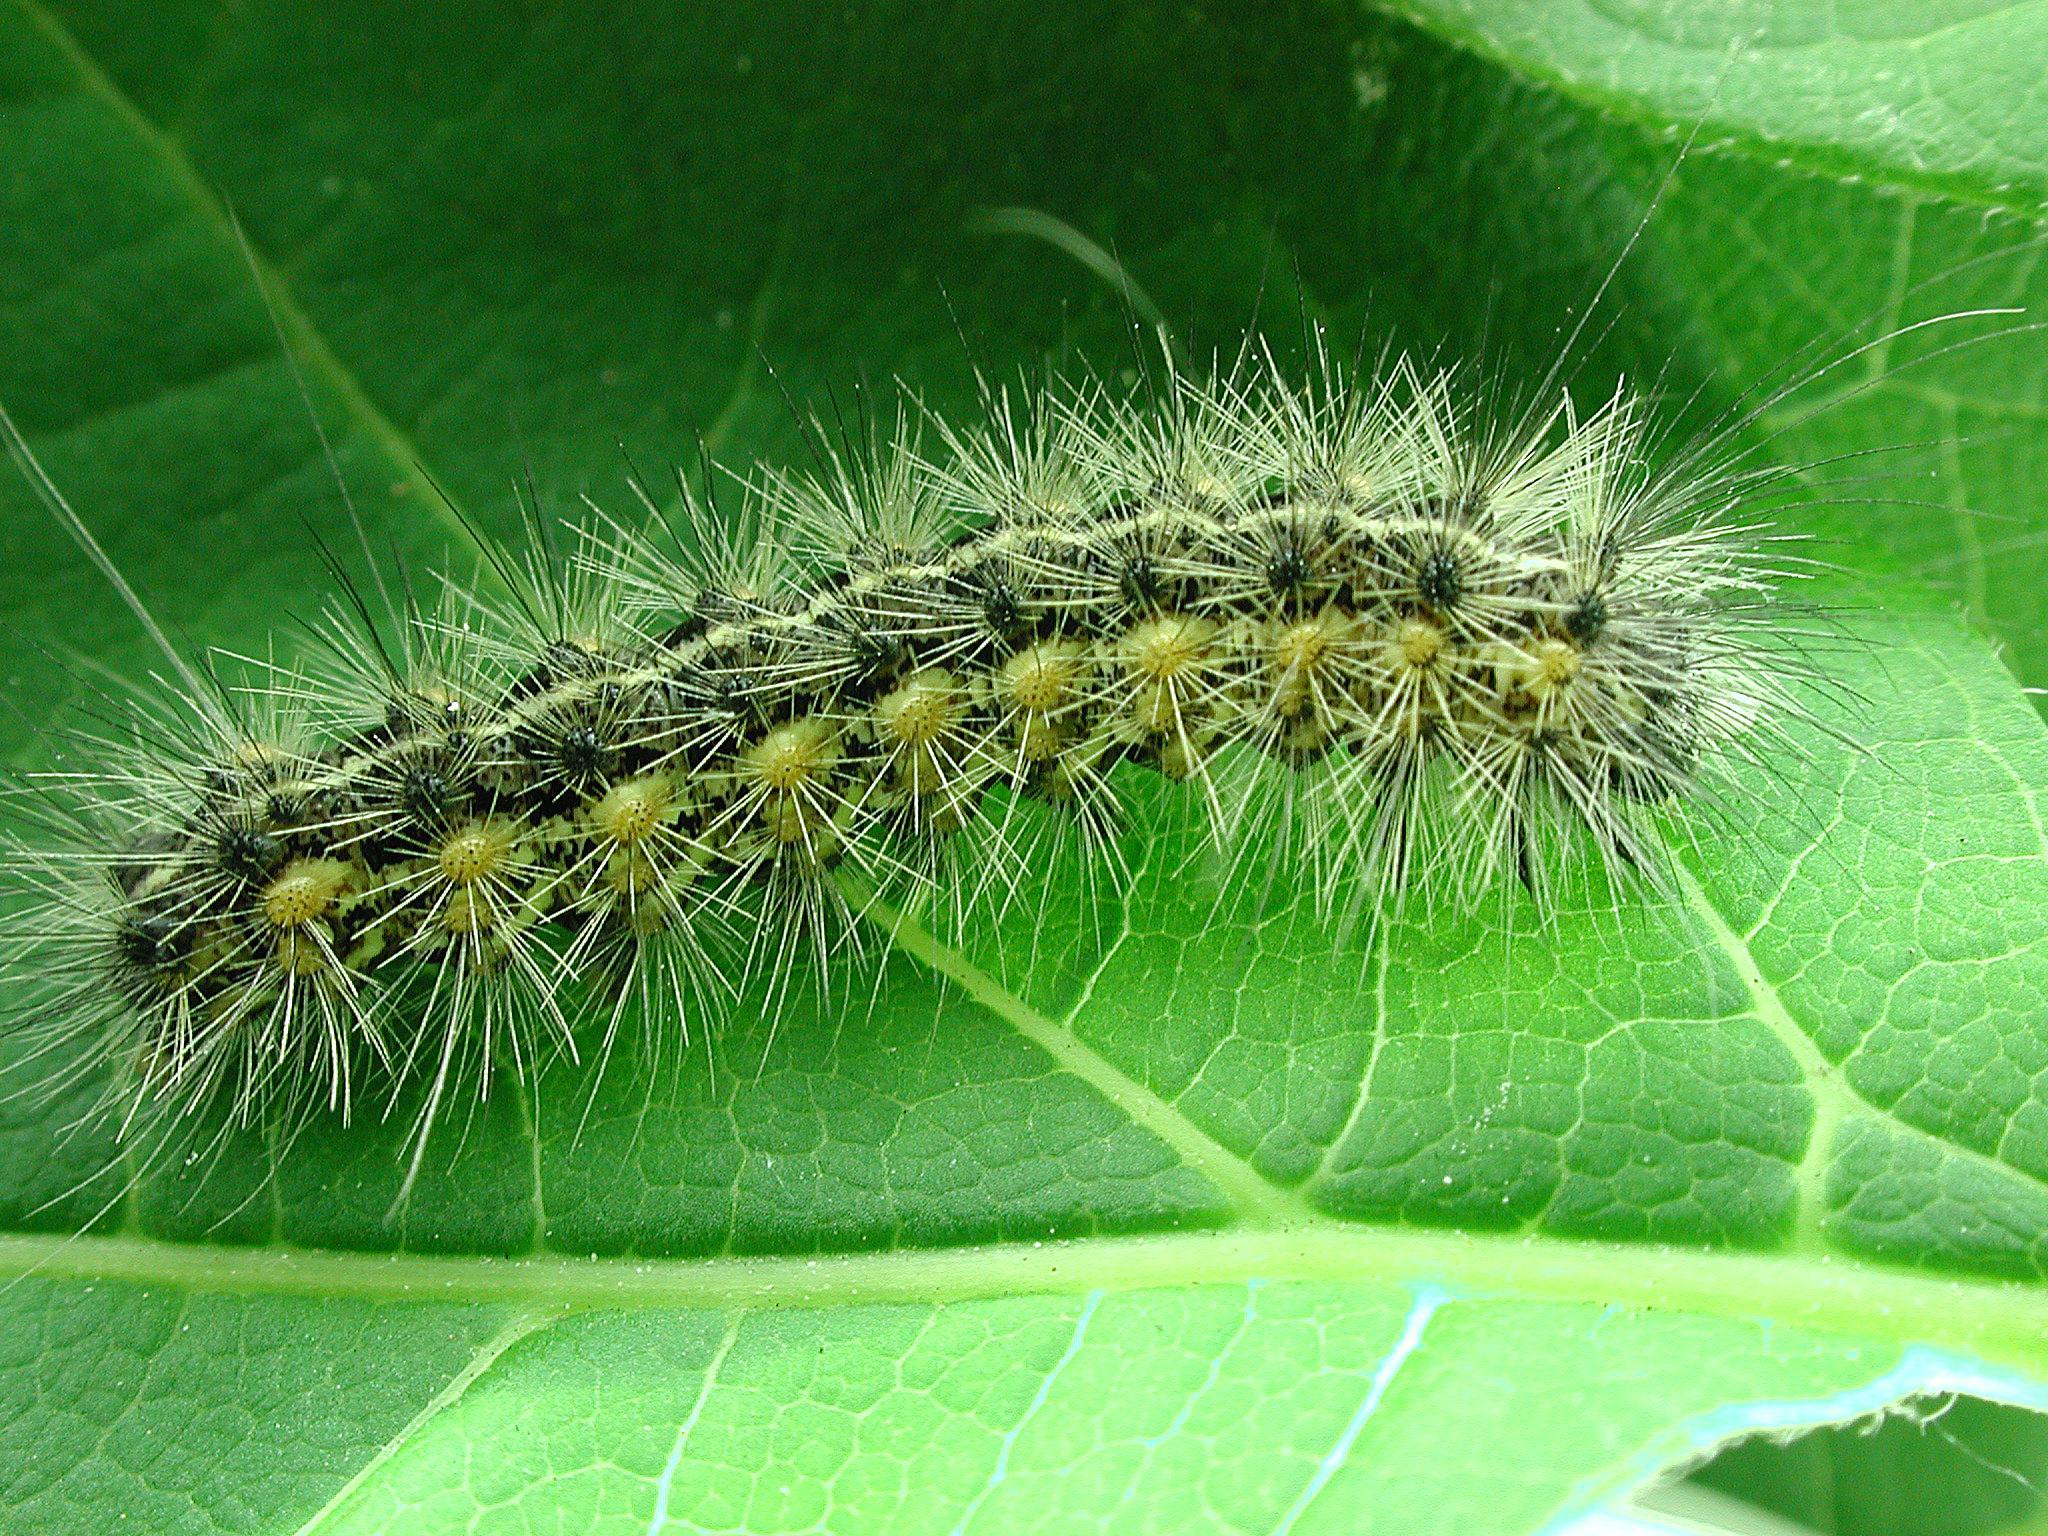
(1400, 650)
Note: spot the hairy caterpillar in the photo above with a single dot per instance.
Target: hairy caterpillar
(1379, 634)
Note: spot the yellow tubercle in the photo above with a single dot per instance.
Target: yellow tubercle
(1302, 653)
(478, 851)
(928, 705)
(305, 891)
(792, 754)
(1417, 644)
(1043, 678)
(635, 810)
(1166, 658)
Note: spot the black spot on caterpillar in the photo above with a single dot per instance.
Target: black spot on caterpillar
(1407, 649)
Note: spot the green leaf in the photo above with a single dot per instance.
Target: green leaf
(1844, 161)
(1934, 95)
(1168, 1220)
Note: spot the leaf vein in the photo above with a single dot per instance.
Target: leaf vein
(520, 1326)
(307, 342)
(1833, 1093)
(1254, 1198)
(675, 1456)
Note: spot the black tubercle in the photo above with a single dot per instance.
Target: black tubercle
(285, 807)
(248, 853)
(563, 659)
(1001, 605)
(1138, 582)
(1586, 617)
(582, 754)
(153, 943)
(1001, 609)
(716, 681)
(872, 649)
(428, 796)
(1287, 568)
(1439, 581)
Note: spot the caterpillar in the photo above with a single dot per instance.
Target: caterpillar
(1379, 632)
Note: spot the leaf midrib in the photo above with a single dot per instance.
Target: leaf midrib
(2005, 1322)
